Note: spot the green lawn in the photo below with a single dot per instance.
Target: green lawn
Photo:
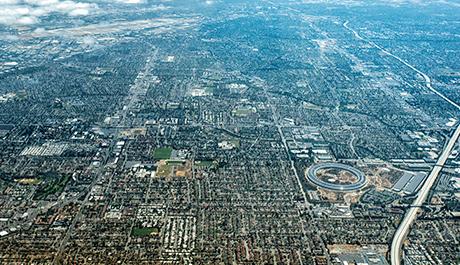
(209, 90)
(144, 231)
(162, 153)
(54, 184)
(235, 142)
(242, 112)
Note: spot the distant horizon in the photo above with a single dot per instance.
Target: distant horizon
(229, 132)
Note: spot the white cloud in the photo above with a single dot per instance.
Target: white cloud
(8, 2)
(131, 1)
(41, 2)
(28, 12)
(27, 20)
(79, 12)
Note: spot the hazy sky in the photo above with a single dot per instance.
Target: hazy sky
(28, 12)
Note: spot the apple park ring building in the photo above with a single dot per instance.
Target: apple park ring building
(312, 176)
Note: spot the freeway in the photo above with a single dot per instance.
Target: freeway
(411, 214)
(425, 77)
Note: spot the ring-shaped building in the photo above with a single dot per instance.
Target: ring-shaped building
(313, 178)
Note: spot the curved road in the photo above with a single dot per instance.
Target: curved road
(411, 214)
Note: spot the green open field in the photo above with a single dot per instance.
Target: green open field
(144, 231)
(53, 184)
(235, 142)
(205, 164)
(162, 153)
(242, 112)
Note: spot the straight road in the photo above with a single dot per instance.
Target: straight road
(411, 214)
